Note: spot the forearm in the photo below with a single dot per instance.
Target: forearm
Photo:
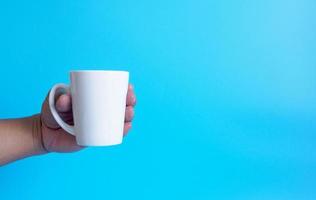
(20, 138)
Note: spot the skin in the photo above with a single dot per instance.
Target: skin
(40, 133)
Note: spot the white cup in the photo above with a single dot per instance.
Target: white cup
(98, 104)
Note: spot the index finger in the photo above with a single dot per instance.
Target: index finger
(131, 97)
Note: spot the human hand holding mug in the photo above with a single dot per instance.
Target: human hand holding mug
(97, 108)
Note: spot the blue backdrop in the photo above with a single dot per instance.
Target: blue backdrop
(226, 96)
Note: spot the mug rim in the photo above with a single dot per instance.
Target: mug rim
(93, 71)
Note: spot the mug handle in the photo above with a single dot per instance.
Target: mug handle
(59, 89)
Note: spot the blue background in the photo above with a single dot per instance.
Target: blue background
(226, 96)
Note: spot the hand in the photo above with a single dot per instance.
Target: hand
(55, 139)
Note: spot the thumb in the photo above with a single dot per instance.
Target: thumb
(64, 108)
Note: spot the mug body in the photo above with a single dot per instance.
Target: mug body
(98, 102)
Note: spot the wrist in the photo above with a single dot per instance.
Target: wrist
(37, 135)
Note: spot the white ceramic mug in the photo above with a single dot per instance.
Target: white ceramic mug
(98, 104)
